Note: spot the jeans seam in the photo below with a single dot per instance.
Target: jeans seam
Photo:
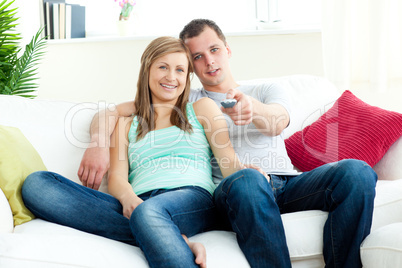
(332, 233)
(332, 242)
(230, 209)
(230, 186)
(305, 196)
(197, 191)
(192, 211)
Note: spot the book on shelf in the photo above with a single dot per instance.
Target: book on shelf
(77, 21)
(68, 21)
(62, 20)
(42, 17)
(55, 20)
(48, 12)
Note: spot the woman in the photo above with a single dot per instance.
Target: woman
(169, 149)
(160, 174)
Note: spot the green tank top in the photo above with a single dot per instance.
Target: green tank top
(170, 158)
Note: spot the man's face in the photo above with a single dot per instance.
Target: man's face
(210, 57)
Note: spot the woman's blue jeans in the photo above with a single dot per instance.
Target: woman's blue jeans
(251, 207)
(155, 225)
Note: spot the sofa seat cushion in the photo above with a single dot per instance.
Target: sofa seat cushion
(49, 243)
(387, 203)
(383, 247)
(68, 246)
(40, 244)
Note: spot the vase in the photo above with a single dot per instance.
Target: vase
(123, 27)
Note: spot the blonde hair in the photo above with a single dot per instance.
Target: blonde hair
(144, 109)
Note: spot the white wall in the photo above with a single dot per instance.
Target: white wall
(108, 70)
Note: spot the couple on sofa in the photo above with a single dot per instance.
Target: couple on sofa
(167, 153)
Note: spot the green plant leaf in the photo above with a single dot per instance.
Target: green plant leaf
(17, 74)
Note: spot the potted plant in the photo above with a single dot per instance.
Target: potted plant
(17, 74)
(123, 24)
(126, 8)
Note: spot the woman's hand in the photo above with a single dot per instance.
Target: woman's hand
(259, 170)
(130, 203)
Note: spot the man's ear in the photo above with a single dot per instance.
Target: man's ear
(229, 50)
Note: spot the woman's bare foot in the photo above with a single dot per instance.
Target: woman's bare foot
(199, 252)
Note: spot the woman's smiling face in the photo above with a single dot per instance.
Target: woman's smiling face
(167, 77)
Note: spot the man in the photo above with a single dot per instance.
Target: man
(248, 203)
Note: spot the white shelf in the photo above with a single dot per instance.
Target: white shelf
(300, 29)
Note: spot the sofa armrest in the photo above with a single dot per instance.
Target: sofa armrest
(390, 166)
(6, 216)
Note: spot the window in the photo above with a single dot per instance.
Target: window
(296, 12)
(161, 17)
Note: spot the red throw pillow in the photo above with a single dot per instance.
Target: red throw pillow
(350, 129)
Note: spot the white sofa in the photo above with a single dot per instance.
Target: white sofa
(59, 132)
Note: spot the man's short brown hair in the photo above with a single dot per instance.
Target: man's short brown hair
(197, 26)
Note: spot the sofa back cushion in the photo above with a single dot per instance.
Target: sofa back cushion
(58, 130)
(310, 96)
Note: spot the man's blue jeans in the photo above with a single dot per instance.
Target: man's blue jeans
(251, 207)
(155, 225)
